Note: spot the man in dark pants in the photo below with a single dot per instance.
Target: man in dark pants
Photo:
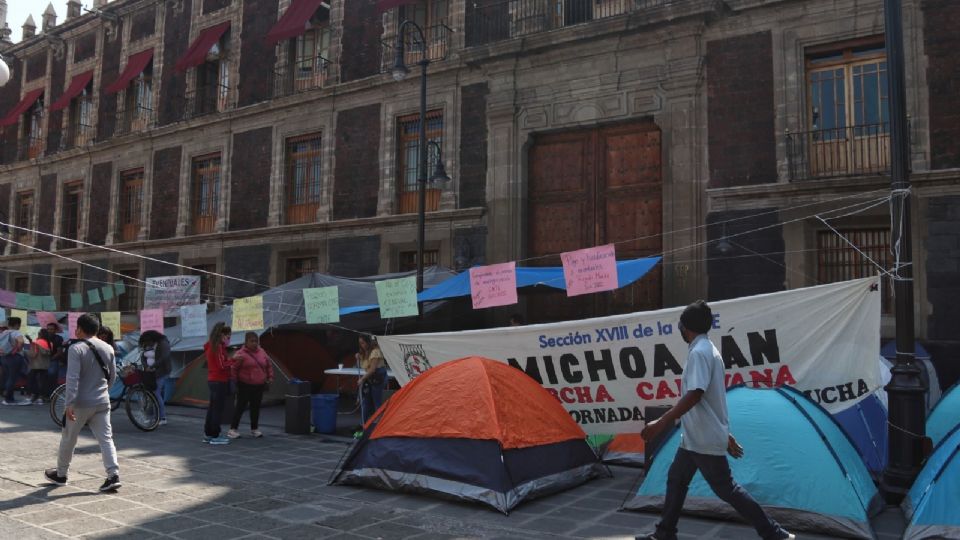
(705, 434)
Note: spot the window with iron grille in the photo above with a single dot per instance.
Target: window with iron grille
(212, 87)
(302, 183)
(205, 193)
(72, 208)
(21, 284)
(301, 266)
(129, 301)
(408, 259)
(81, 118)
(24, 216)
(131, 204)
(138, 102)
(67, 285)
(408, 160)
(31, 139)
(837, 260)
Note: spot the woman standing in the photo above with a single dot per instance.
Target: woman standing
(156, 358)
(253, 372)
(38, 359)
(218, 380)
(374, 376)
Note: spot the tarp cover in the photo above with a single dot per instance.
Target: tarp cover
(933, 503)
(945, 417)
(866, 425)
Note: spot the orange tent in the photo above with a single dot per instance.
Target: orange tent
(472, 429)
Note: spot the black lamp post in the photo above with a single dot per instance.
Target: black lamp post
(906, 389)
(399, 73)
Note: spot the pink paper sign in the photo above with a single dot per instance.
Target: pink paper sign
(151, 319)
(590, 270)
(493, 285)
(45, 318)
(72, 324)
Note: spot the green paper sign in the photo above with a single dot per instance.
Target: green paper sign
(120, 287)
(322, 305)
(35, 303)
(23, 300)
(93, 296)
(76, 300)
(49, 304)
(397, 297)
(106, 292)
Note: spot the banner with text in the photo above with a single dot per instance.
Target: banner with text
(171, 292)
(823, 340)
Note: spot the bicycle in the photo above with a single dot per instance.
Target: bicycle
(141, 404)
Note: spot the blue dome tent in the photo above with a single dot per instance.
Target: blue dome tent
(945, 416)
(798, 464)
(866, 425)
(933, 504)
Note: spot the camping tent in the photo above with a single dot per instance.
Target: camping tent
(928, 373)
(866, 425)
(472, 429)
(932, 504)
(789, 440)
(625, 449)
(945, 416)
(191, 387)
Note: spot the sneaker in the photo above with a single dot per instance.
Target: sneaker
(218, 441)
(788, 536)
(38, 401)
(5, 402)
(256, 433)
(207, 438)
(111, 483)
(52, 477)
(232, 434)
(163, 421)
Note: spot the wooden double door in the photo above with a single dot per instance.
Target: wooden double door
(588, 188)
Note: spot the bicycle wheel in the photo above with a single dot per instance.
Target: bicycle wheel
(58, 402)
(142, 408)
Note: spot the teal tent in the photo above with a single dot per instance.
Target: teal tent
(798, 464)
(933, 503)
(945, 416)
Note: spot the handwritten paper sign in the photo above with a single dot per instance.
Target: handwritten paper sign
(590, 270)
(397, 297)
(493, 285)
(107, 292)
(111, 319)
(322, 305)
(171, 292)
(76, 300)
(193, 320)
(151, 319)
(45, 317)
(21, 314)
(248, 313)
(49, 304)
(72, 323)
(35, 303)
(93, 296)
(120, 287)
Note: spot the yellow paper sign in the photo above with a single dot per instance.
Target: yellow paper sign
(111, 319)
(248, 314)
(22, 313)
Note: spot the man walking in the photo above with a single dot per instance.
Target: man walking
(90, 372)
(12, 359)
(705, 434)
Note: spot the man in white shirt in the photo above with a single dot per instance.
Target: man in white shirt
(705, 437)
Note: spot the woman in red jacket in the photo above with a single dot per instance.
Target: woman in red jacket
(253, 371)
(218, 379)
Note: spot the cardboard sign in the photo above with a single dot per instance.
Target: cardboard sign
(397, 297)
(248, 314)
(493, 285)
(151, 319)
(590, 270)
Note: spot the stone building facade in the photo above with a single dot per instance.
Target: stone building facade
(716, 133)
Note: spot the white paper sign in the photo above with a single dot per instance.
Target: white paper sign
(193, 320)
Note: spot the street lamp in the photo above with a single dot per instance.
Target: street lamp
(399, 73)
(4, 71)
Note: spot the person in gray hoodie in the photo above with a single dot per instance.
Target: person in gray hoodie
(90, 372)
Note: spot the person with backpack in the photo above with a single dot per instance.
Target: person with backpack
(38, 359)
(253, 371)
(12, 360)
(91, 369)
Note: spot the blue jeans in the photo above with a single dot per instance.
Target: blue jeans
(716, 471)
(12, 369)
(161, 384)
(371, 395)
(218, 398)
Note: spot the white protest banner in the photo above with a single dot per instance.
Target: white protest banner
(170, 292)
(193, 320)
(822, 340)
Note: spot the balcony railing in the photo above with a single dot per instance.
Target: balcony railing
(436, 47)
(489, 21)
(134, 120)
(79, 135)
(300, 76)
(205, 100)
(844, 151)
(29, 148)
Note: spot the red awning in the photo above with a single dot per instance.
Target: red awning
(28, 100)
(387, 5)
(136, 63)
(294, 20)
(198, 50)
(77, 85)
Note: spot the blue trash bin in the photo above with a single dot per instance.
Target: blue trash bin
(324, 409)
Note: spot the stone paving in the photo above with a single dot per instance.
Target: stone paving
(275, 487)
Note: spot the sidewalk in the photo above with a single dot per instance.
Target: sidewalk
(275, 487)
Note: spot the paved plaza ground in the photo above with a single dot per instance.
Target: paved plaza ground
(275, 487)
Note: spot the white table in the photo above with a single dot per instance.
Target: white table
(350, 372)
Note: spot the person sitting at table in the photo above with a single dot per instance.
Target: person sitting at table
(374, 376)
